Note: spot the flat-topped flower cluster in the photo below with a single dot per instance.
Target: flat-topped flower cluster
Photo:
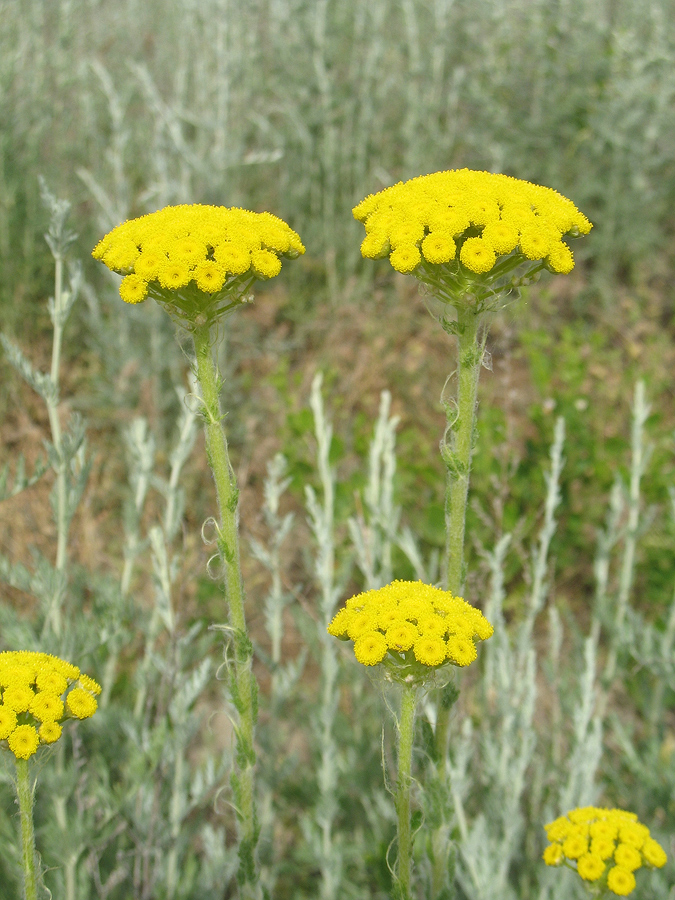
(475, 216)
(595, 838)
(411, 627)
(197, 247)
(39, 692)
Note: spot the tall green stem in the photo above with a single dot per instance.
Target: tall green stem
(243, 688)
(404, 783)
(25, 797)
(457, 457)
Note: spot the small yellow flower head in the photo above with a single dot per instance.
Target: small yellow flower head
(627, 857)
(405, 258)
(615, 837)
(133, 289)
(439, 247)
(50, 732)
(430, 650)
(402, 626)
(23, 741)
(34, 687)
(424, 222)
(620, 881)
(193, 257)
(590, 866)
(477, 255)
(370, 648)
(81, 703)
(553, 855)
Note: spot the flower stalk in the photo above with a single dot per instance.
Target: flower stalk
(404, 783)
(24, 794)
(244, 688)
(457, 453)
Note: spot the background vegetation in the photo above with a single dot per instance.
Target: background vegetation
(303, 108)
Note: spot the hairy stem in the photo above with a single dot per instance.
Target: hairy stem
(456, 454)
(243, 688)
(404, 784)
(25, 796)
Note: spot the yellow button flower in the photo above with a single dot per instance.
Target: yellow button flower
(33, 707)
(590, 867)
(451, 225)
(402, 627)
(192, 257)
(620, 881)
(615, 835)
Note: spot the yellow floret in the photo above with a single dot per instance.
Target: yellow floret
(602, 847)
(388, 616)
(604, 828)
(460, 627)
(406, 234)
(431, 651)
(535, 242)
(590, 867)
(209, 276)
(575, 846)
(235, 258)
(23, 741)
(653, 853)
(370, 648)
(477, 255)
(553, 855)
(634, 833)
(174, 275)
(559, 829)
(401, 636)
(501, 236)
(415, 608)
(50, 732)
(620, 881)
(46, 706)
(149, 264)
(121, 255)
(461, 650)
(134, 289)
(18, 698)
(50, 680)
(375, 245)
(560, 258)
(482, 212)
(265, 263)
(432, 626)
(7, 721)
(359, 623)
(81, 703)
(628, 857)
(187, 250)
(338, 626)
(89, 684)
(439, 247)
(405, 258)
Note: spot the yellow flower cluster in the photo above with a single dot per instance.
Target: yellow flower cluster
(481, 215)
(595, 837)
(411, 622)
(195, 245)
(39, 692)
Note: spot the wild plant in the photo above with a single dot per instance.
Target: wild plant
(200, 262)
(134, 820)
